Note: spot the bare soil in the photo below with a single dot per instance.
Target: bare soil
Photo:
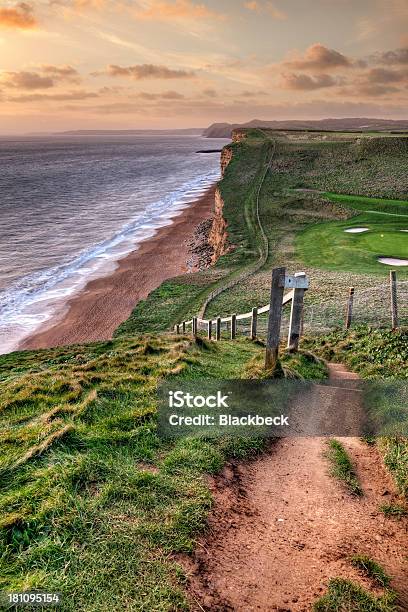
(282, 527)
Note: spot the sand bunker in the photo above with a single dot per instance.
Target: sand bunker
(392, 261)
(403, 230)
(356, 230)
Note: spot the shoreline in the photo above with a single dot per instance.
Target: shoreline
(98, 309)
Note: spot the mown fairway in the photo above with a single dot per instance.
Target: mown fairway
(327, 245)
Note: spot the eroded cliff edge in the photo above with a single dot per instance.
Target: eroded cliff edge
(218, 236)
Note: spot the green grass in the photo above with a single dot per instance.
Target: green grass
(163, 307)
(371, 569)
(373, 353)
(302, 366)
(368, 169)
(339, 250)
(347, 596)
(288, 216)
(93, 503)
(357, 202)
(395, 452)
(394, 510)
(341, 467)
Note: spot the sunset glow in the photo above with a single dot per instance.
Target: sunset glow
(77, 64)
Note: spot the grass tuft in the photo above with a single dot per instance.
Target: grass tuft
(347, 596)
(342, 467)
(301, 366)
(394, 510)
(371, 569)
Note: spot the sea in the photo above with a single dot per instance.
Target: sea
(72, 205)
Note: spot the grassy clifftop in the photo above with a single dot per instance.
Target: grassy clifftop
(293, 201)
(92, 502)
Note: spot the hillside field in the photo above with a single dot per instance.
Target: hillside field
(94, 504)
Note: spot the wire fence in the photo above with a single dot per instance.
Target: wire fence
(371, 306)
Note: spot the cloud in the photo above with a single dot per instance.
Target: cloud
(368, 89)
(378, 81)
(318, 57)
(265, 7)
(251, 94)
(164, 10)
(304, 82)
(47, 77)
(26, 80)
(384, 75)
(61, 73)
(146, 71)
(397, 56)
(57, 97)
(19, 17)
(166, 95)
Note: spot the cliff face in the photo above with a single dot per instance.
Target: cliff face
(226, 156)
(239, 134)
(218, 237)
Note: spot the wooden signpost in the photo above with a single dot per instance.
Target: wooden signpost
(281, 281)
(296, 315)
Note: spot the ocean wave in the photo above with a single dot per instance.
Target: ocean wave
(33, 299)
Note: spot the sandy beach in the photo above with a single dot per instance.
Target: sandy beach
(104, 303)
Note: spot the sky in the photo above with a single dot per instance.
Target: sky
(128, 64)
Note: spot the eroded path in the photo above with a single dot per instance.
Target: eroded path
(282, 527)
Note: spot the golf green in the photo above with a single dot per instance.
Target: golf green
(328, 245)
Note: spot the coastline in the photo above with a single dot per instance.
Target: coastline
(97, 310)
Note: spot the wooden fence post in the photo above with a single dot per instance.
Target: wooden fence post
(218, 329)
(183, 327)
(194, 326)
(254, 323)
(210, 329)
(349, 309)
(233, 326)
(275, 318)
(296, 316)
(394, 306)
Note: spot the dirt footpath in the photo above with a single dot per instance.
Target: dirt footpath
(282, 527)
